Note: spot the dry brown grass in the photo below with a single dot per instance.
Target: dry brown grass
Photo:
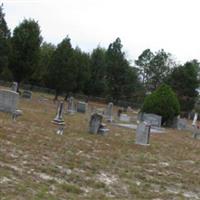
(35, 163)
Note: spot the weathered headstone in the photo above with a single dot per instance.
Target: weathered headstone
(81, 107)
(110, 112)
(27, 94)
(95, 122)
(195, 132)
(96, 125)
(14, 86)
(150, 118)
(8, 102)
(143, 134)
(70, 105)
(179, 123)
(59, 115)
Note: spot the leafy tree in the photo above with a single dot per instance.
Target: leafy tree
(154, 67)
(41, 72)
(162, 101)
(81, 62)
(4, 45)
(184, 81)
(119, 75)
(98, 83)
(61, 72)
(26, 42)
(143, 62)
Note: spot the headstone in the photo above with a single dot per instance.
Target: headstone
(96, 125)
(180, 123)
(8, 102)
(14, 86)
(81, 107)
(152, 119)
(59, 115)
(110, 112)
(95, 122)
(70, 105)
(195, 132)
(27, 94)
(124, 118)
(143, 134)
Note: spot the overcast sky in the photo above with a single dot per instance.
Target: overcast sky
(173, 25)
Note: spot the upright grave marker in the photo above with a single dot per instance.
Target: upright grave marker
(110, 112)
(70, 105)
(58, 120)
(143, 134)
(14, 86)
(82, 107)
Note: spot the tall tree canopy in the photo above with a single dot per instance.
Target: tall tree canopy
(119, 75)
(184, 81)
(26, 42)
(154, 67)
(61, 72)
(4, 42)
(98, 83)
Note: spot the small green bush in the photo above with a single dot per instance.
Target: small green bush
(162, 102)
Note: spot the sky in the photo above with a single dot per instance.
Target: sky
(172, 25)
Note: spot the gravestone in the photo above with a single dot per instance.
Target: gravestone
(143, 134)
(195, 129)
(27, 94)
(96, 125)
(14, 86)
(8, 102)
(81, 107)
(179, 123)
(95, 122)
(59, 114)
(70, 105)
(110, 112)
(124, 118)
(150, 118)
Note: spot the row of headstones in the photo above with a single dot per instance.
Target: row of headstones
(95, 125)
(26, 93)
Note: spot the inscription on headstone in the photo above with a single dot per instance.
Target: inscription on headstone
(143, 134)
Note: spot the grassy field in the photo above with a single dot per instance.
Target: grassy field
(38, 164)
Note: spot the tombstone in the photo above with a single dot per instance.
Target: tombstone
(195, 129)
(143, 134)
(81, 107)
(27, 94)
(124, 118)
(150, 118)
(70, 105)
(95, 122)
(179, 123)
(96, 125)
(109, 112)
(14, 86)
(8, 102)
(59, 115)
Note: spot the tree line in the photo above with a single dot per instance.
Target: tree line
(105, 72)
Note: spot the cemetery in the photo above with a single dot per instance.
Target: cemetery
(93, 107)
(48, 153)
